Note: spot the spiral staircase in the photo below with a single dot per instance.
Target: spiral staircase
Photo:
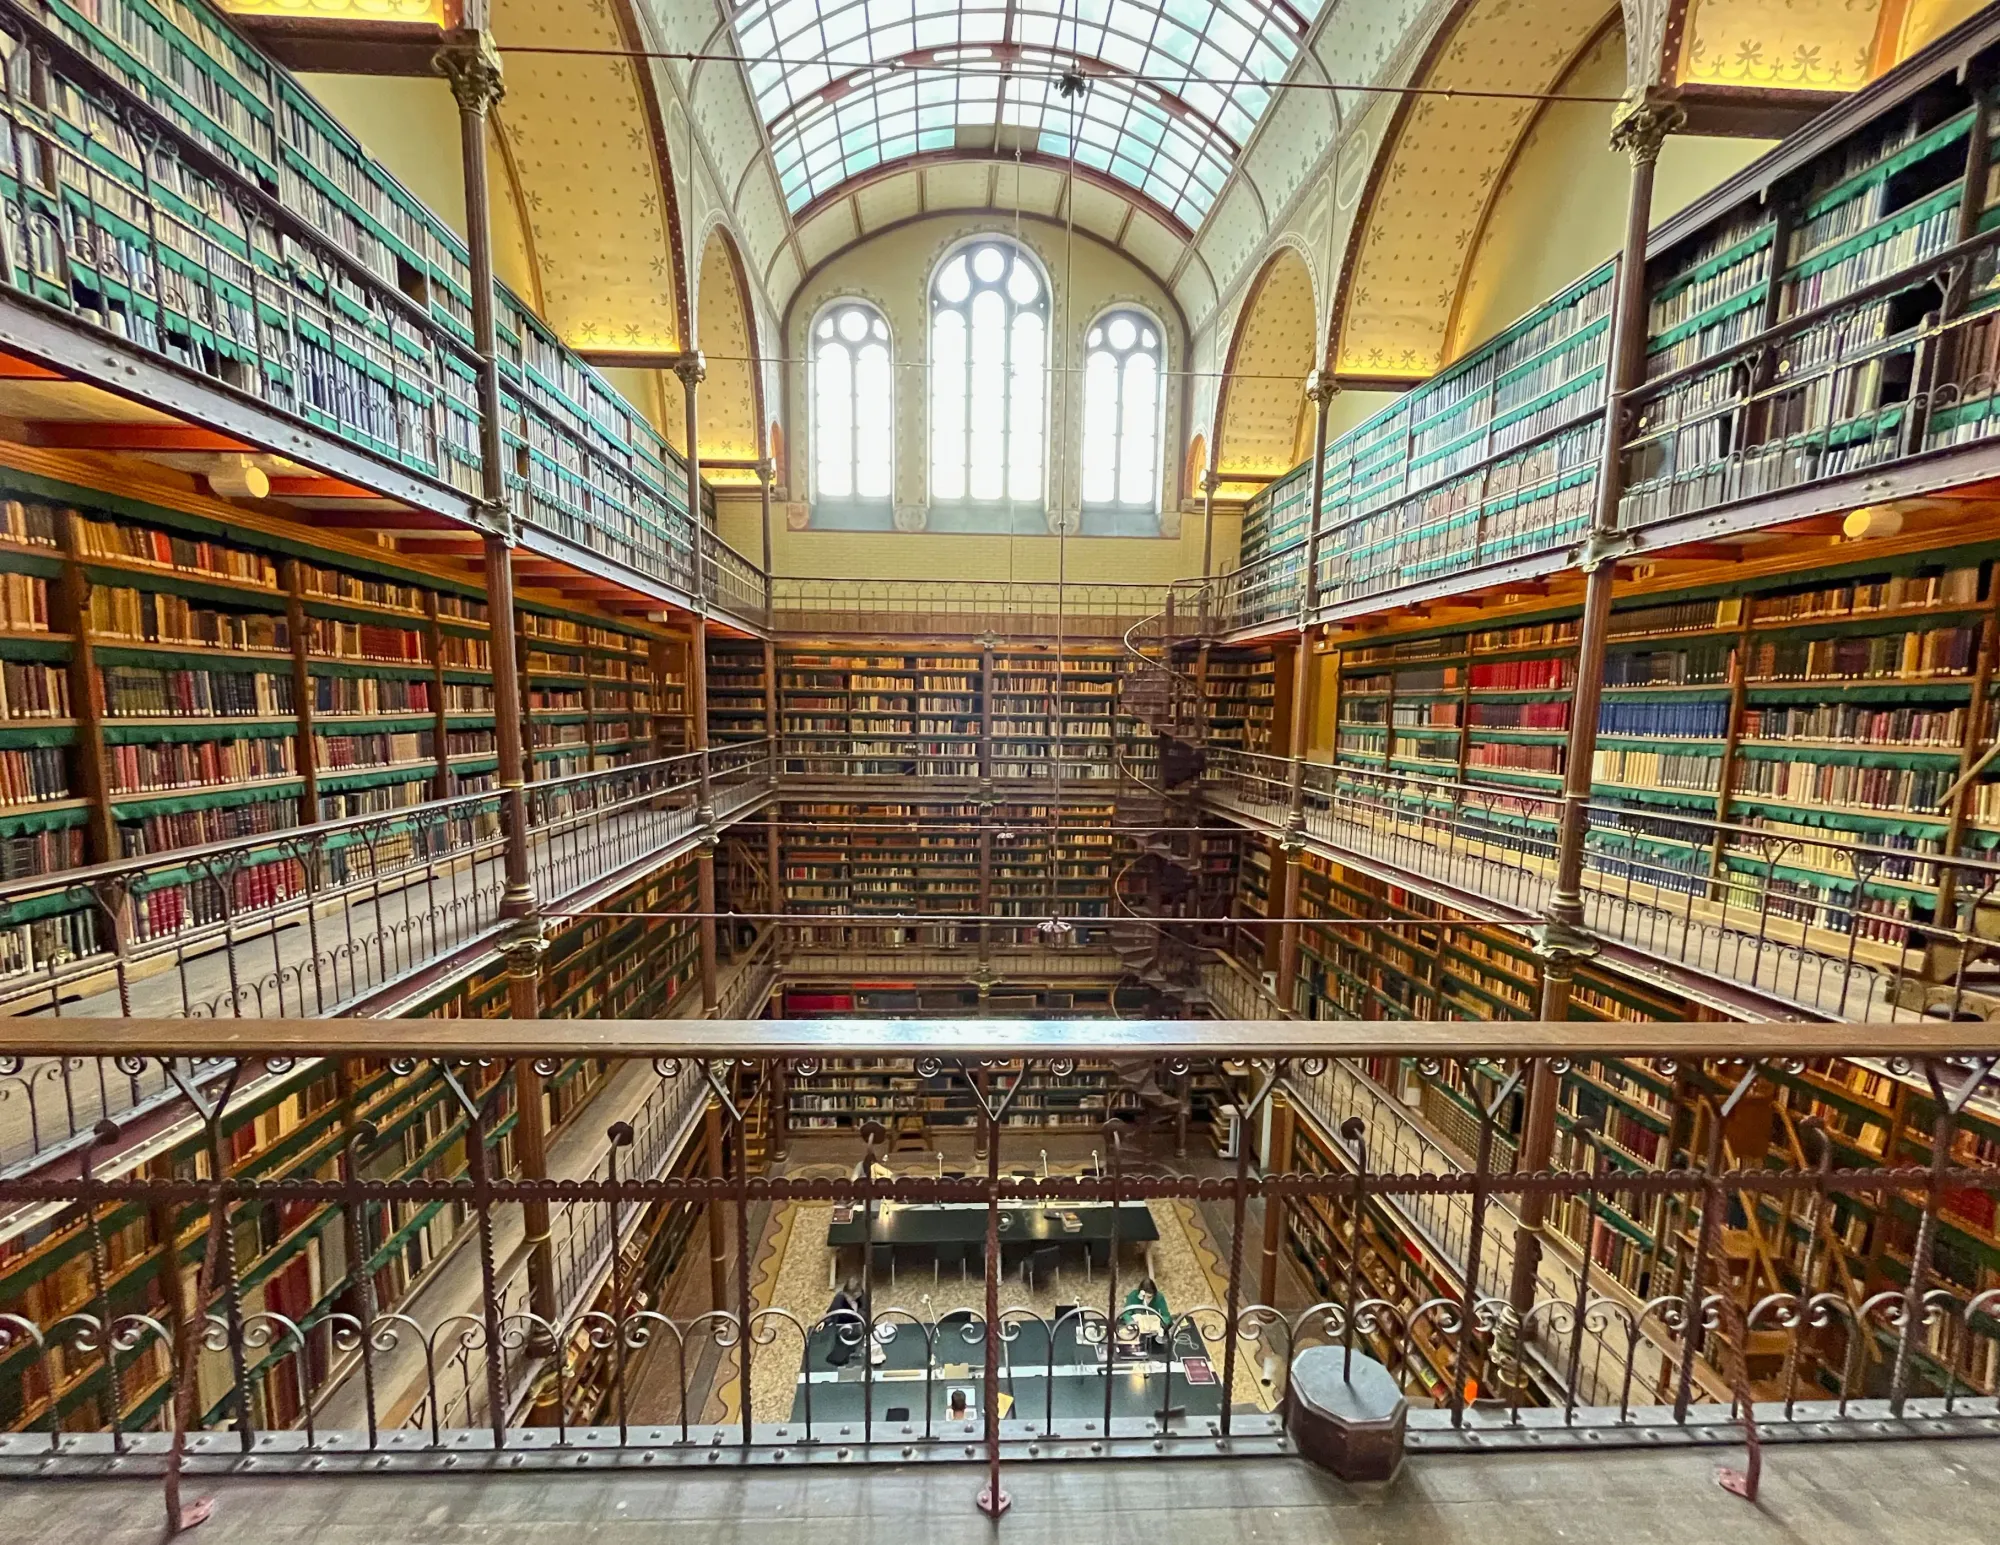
(1155, 799)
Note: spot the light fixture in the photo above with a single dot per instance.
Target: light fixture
(1872, 522)
(238, 477)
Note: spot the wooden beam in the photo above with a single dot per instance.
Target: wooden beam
(310, 487)
(70, 436)
(334, 45)
(12, 369)
(1751, 112)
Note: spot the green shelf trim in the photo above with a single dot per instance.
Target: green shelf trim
(1542, 781)
(46, 564)
(1757, 694)
(1835, 821)
(1946, 197)
(212, 799)
(365, 668)
(124, 733)
(1709, 267)
(1925, 145)
(374, 777)
(18, 647)
(1678, 799)
(29, 733)
(166, 655)
(1778, 751)
(341, 611)
(1568, 341)
(418, 720)
(27, 821)
(1708, 317)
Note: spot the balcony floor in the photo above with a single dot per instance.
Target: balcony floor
(1835, 1494)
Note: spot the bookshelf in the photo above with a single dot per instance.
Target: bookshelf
(296, 1124)
(1240, 689)
(168, 682)
(1807, 320)
(253, 242)
(736, 691)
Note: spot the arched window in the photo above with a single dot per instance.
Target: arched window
(1121, 412)
(989, 392)
(853, 400)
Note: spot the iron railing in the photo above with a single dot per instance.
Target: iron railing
(1042, 610)
(1803, 920)
(646, 1365)
(310, 920)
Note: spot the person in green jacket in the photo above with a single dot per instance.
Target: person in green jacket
(1147, 1296)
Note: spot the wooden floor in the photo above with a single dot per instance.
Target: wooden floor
(1876, 1494)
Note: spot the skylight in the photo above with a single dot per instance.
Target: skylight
(1175, 86)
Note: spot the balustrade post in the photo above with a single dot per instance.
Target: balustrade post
(1320, 392)
(692, 370)
(523, 954)
(705, 814)
(471, 63)
(1639, 127)
(767, 471)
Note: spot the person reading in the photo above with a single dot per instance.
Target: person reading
(1148, 1315)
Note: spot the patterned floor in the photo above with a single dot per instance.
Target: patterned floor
(792, 1270)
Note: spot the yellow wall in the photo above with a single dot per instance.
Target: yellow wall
(947, 556)
(893, 271)
(410, 125)
(1560, 209)
(1927, 20)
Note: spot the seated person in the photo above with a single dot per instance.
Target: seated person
(1147, 1299)
(848, 1330)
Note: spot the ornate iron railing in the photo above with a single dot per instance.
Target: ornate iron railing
(1793, 919)
(645, 1364)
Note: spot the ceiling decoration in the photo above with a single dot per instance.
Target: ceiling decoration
(728, 398)
(1174, 87)
(1799, 44)
(581, 138)
(1263, 391)
(1440, 165)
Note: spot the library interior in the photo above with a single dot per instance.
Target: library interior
(1255, 744)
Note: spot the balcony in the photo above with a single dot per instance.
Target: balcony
(703, 1363)
(190, 234)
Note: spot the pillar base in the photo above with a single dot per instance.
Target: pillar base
(1349, 1420)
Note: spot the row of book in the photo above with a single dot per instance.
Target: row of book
(189, 764)
(197, 828)
(339, 585)
(1856, 724)
(24, 603)
(1841, 783)
(371, 694)
(1747, 274)
(31, 690)
(332, 752)
(1656, 769)
(28, 525)
(115, 539)
(33, 775)
(1877, 656)
(145, 692)
(1876, 261)
(156, 616)
(1931, 587)
(331, 639)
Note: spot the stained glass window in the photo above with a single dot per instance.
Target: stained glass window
(1121, 412)
(989, 389)
(853, 406)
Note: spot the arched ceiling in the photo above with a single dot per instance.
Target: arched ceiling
(1160, 97)
(582, 137)
(1444, 157)
(730, 405)
(1263, 389)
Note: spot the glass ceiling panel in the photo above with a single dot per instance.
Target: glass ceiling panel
(1176, 86)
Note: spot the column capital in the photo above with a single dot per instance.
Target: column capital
(470, 61)
(692, 368)
(496, 518)
(1321, 388)
(1562, 943)
(767, 471)
(1210, 480)
(524, 947)
(1642, 122)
